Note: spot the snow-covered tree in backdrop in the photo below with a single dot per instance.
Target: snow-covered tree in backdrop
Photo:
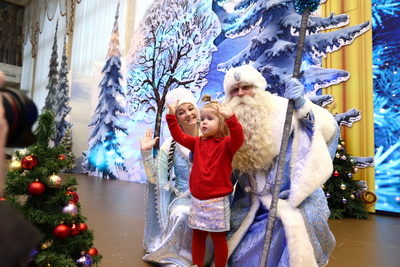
(273, 49)
(171, 48)
(66, 141)
(104, 156)
(62, 107)
(50, 102)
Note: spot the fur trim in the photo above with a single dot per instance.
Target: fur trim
(301, 251)
(279, 115)
(246, 74)
(318, 165)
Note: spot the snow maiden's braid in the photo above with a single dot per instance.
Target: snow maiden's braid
(171, 157)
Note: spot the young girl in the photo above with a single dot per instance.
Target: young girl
(210, 183)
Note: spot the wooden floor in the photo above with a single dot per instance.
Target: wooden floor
(114, 211)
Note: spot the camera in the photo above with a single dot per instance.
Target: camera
(21, 113)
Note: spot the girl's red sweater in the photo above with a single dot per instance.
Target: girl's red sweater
(212, 163)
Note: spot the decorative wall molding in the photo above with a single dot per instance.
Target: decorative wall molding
(36, 12)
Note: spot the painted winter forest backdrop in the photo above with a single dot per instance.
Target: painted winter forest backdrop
(190, 44)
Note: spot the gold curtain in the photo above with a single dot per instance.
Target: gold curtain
(357, 92)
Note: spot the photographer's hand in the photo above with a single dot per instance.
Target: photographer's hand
(3, 139)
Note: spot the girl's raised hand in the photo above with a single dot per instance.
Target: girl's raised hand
(224, 110)
(147, 142)
(172, 108)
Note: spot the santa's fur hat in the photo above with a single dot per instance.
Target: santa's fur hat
(247, 74)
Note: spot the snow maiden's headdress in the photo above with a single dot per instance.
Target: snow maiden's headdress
(247, 74)
(181, 94)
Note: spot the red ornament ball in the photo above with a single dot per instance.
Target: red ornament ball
(75, 230)
(36, 188)
(93, 252)
(336, 173)
(61, 157)
(83, 227)
(61, 231)
(74, 196)
(29, 162)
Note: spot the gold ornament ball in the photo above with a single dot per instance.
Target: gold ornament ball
(339, 147)
(343, 186)
(16, 166)
(352, 196)
(47, 244)
(54, 181)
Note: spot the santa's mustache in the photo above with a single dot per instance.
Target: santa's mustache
(236, 101)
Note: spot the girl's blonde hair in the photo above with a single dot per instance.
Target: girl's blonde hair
(223, 129)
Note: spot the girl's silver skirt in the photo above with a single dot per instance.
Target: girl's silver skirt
(211, 215)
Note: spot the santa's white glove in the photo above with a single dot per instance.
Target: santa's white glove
(295, 91)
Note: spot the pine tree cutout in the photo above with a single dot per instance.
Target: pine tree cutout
(66, 141)
(62, 108)
(51, 97)
(104, 157)
(50, 203)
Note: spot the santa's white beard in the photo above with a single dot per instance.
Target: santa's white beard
(260, 146)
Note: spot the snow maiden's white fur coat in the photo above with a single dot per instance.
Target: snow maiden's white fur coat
(307, 174)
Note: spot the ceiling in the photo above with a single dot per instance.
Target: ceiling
(18, 2)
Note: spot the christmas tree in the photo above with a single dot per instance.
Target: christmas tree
(49, 203)
(66, 141)
(344, 194)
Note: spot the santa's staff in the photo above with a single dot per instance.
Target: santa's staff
(304, 7)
